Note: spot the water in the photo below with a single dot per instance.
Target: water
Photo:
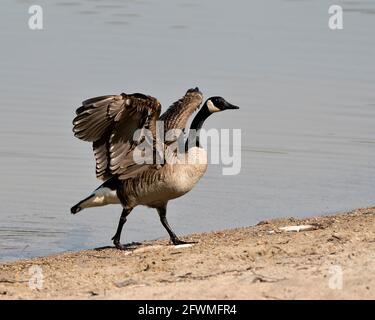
(307, 111)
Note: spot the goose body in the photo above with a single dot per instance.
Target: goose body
(110, 123)
(170, 182)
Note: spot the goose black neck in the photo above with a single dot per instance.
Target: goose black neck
(196, 125)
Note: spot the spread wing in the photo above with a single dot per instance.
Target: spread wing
(109, 122)
(179, 112)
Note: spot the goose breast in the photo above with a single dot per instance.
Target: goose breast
(173, 180)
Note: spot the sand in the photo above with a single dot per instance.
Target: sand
(334, 258)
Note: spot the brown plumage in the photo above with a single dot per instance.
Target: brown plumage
(179, 112)
(110, 123)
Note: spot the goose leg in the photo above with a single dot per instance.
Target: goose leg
(163, 219)
(117, 236)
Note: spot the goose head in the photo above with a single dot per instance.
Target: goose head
(217, 104)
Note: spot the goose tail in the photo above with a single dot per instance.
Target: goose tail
(103, 195)
(80, 205)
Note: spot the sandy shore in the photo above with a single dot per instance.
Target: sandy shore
(335, 259)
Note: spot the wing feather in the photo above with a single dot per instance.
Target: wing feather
(109, 122)
(180, 111)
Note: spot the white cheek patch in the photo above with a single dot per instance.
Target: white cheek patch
(211, 107)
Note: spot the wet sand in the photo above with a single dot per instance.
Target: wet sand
(335, 259)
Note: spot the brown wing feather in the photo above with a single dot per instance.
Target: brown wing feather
(110, 123)
(179, 112)
(102, 157)
(96, 115)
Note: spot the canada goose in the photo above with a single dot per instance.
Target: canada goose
(109, 122)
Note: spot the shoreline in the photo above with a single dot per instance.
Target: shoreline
(333, 257)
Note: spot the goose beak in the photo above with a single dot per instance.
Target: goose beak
(230, 106)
